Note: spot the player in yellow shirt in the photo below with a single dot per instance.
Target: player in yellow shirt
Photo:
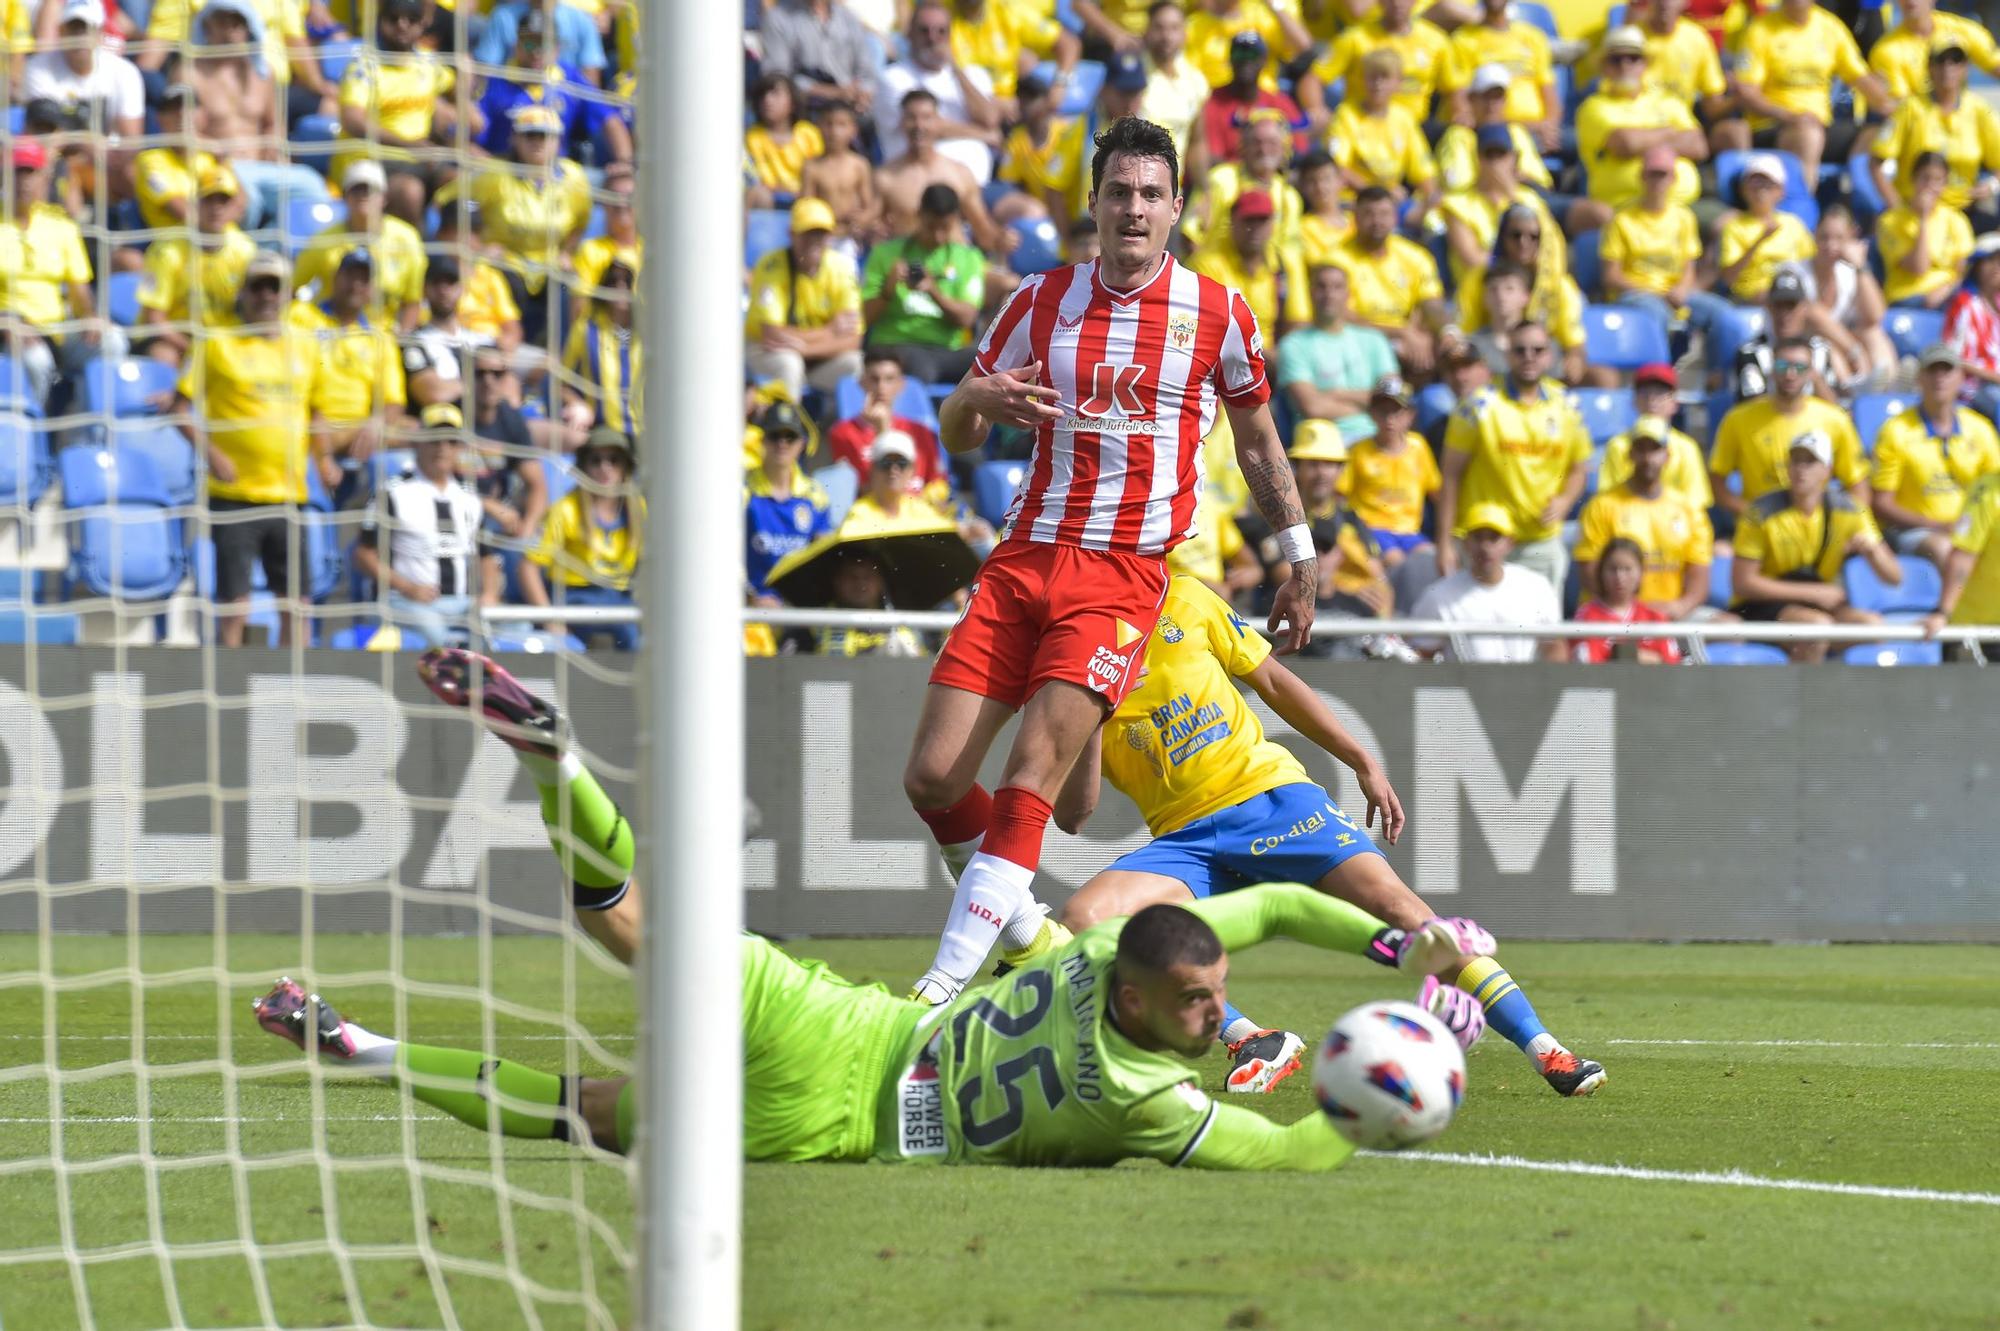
(1624, 119)
(1925, 242)
(1654, 390)
(1790, 546)
(1971, 592)
(1928, 458)
(396, 248)
(1674, 536)
(1046, 154)
(1520, 444)
(191, 281)
(358, 391)
(1902, 56)
(1228, 807)
(1946, 120)
(1756, 241)
(1523, 51)
(1787, 61)
(1378, 142)
(1424, 49)
(1756, 436)
(1390, 474)
(1248, 257)
(1393, 284)
(395, 101)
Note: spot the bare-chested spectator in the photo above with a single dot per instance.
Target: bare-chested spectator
(902, 180)
(238, 116)
(284, 51)
(969, 128)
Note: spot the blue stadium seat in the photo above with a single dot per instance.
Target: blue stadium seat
(336, 56)
(19, 626)
(122, 541)
(1066, 16)
(1866, 201)
(1913, 330)
(313, 139)
(1800, 195)
(993, 487)
(1746, 653)
(840, 483)
(1874, 410)
(129, 387)
(913, 403)
(15, 392)
(1080, 94)
(561, 480)
(169, 453)
(25, 467)
(1586, 262)
(306, 217)
(1743, 323)
(121, 298)
(1623, 337)
(536, 643)
(1721, 569)
(95, 476)
(1526, 11)
(1894, 654)
(1917, 594)
(1040, 248)
(1434, 403)
(363, 637)
(1605, 411)
(765, 229)
(1717, 406)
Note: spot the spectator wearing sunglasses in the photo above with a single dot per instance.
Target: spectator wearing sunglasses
(1625, 118)
(1755, 438)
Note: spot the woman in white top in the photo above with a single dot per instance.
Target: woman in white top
(1847, 300)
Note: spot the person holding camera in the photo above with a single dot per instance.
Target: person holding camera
(921, 292)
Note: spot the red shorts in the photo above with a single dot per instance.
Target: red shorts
(1040, 612)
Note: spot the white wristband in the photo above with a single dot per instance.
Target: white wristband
(1296, 543)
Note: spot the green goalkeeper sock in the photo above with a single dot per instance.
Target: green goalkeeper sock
(474, 1089)
(589, 834)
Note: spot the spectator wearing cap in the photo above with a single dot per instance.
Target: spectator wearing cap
(1327, 370)
(592, 541)
(604, 360)
(1247, 256)
(279, 31)
(1176, 87)
(890, 493)
(824, 48)
(1924, 240)
(486, 306)
(804, 324)
(1390, 473)
(1518, 445)
(783, 508)
(851, 440)
(578, 42)
(1901, 57)
(967, 125)
(922, 291)
(1752, 441)
(1353, 581)
(434, 357)
(1972, 326)
(246, 392)
(191, 280)
(1791, 543)
(779, 141)
(164, 179)
(1927, 458)
(46, 300)
(1846, 300)
(1673, 533)
(100, 88)
(392, 109)
(1519, 47)
(1393, 284)
(1425, 51)
(1756, 240)
(1492, 588)
(239, 112)
(903, 182)
(535, 77)
(422, 540)
(1650, 248)
(1263, 151)
(1790, 311)
(358, 392)
(1229, 109)
(1377, 142)
(1654, 390)
(1626, 118)
(1214, 27)
(1682, 62)
(533, 208)
(1046, 154)
(1457, 151)
(395, 249)
(1008, 40)
(1787, 59)
(1945, 119)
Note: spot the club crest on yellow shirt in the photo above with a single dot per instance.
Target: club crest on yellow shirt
(1169, 631)
(1181, 329)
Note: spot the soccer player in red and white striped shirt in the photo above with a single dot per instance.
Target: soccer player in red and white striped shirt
(1119, 366)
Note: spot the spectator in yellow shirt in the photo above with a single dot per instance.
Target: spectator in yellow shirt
(533, 211)
(1213, 24)
(621, 238)
(604, 361)
(1525, 239)
(1927, 458)
(1788, 58)
(1654, 390)
(1760, 238)
(1791, 544)
(1971, 593)
(777, 143)
(1902, 57)
(50, 316)
(1248, 257)
(804, 324)
(395, 246)
(1649, 249)
(1753, 438)
(1378, 143)
(1425, 51)
(358, 389)
(1618, 124)
(1924, 242)
(1393, 284)
(1519, 47)
(165, 179)
(1176, 87)
(1007, 38)
(1390, 473)
(1681, 60)
(486, 307)
(1323, 221)
(1458, 148)
(1263, 148)
(592, 540)
(1472, 217)
(191, 281)
(1672, 533)
(395, 104)
(1946, 120)
(1047, 155)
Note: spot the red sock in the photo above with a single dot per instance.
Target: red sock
(1014, 832)
(964, 821)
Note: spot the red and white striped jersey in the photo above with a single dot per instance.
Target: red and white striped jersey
(1139, 374)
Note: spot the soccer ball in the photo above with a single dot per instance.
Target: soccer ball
(1389, 1075)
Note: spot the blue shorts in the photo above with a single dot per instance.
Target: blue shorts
(1404, 541)
(1293, 834)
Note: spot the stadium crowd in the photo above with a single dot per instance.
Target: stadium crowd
(1648, 312)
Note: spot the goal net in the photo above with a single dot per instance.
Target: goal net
(184, 820)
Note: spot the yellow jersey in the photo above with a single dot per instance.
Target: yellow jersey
(1674, 535)
(1615, 180)
(1791, 242)
(360, 371)
(580, 551)
(1927, 472)
(1387, 489)
(1184, 744)
(1223, 185)
(530, 217)
(1425, 52)
(1795, 64)
(196, 284)
(1385, 150)
(1969, 138)
(783, 296)
(1209, 35)
(610, 369)
(1130, 15)
(165, 175)
(993, 43)
(1481, 215)
(1556, 303)
(1059, 166)
(38, 262)
(1950, 234)
(486, 305)
(1979, 603)
(1457, 154)
(1652, 249)
(399, 92)
(251, 394)
(595, 255)
(1319, 239)
(398, 253)
(1276, 293)
(1755, 439)
(1520, 453)
(778, 164)
(1686, 472)
(1386, 287)
(1683, 63)
(1217, 540)
(1902, 58)
(1781, 538)
(1519, 46)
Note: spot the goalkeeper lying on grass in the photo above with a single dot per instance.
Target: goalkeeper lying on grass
(1075, 1059)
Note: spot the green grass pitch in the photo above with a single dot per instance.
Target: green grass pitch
(1891, 1080)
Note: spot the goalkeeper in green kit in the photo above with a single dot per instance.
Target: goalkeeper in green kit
(1076, 1058)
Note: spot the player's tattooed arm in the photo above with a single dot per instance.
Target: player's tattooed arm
(1260, 454)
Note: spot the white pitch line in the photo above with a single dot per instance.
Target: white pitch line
(1817, 1044)
(1731, 1179)
(160, 1121)
(428, 1036)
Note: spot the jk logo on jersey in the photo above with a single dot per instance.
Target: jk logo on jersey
(1114, 391)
